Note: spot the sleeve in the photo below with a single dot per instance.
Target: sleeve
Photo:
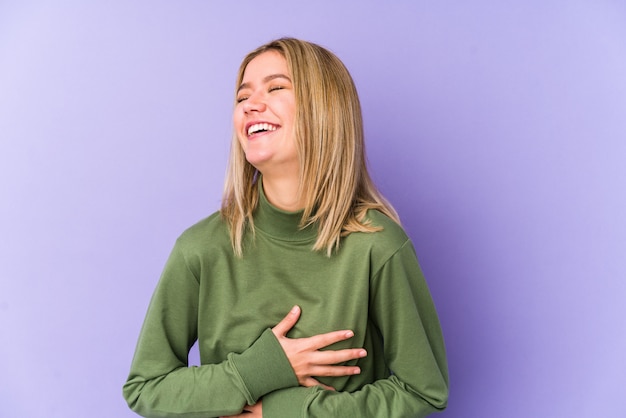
(160, 383)
(403, 311)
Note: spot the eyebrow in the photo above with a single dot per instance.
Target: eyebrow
(266, 79)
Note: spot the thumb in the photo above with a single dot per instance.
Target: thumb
(283, 327)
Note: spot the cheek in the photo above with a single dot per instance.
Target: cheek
(238, 127)
(237, 118)
(242, 142)
(291, 112)
(238, 122)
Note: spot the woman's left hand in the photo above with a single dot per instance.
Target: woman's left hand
(250, 411)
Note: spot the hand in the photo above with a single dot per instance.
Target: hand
(254, 411)
(305, 357)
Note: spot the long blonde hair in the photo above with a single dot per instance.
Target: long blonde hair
(334, 183)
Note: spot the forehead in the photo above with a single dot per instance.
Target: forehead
(268, 62)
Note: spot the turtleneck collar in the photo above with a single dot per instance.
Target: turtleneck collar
(279, 223)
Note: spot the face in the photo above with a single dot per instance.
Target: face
(264, 115)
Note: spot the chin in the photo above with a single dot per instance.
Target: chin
(257, 161)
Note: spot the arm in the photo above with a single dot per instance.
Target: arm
(403, 311)
(161, 384)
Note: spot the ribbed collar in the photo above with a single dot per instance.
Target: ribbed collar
(281, 224)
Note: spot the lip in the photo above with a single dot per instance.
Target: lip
(249, 124)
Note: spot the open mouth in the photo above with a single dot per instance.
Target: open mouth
(258, 128)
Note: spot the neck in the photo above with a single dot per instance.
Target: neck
(282, 192)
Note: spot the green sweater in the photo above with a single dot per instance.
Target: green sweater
(372, 285)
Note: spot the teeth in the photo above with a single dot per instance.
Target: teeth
(261, 127)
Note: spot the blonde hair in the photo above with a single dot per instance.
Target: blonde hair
(334, 183)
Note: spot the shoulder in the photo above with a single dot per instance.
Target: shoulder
(380, 245)
(208, 232)
(391, 231)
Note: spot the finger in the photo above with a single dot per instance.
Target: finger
(283, 327)
(335, 371)
(330, 357)
(252, 411)
(311, 382)
(324, 340)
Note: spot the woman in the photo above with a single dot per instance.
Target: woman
(303, 291)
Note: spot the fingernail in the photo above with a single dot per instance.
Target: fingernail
(295, 309)
(357, 370)
(362, 353)
(349, 334)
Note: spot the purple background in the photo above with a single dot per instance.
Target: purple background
(498, 131)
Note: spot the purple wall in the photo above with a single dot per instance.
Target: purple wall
(499, 132)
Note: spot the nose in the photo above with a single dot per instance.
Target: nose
(254, 103)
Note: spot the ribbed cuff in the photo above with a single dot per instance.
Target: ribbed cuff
(264, 367)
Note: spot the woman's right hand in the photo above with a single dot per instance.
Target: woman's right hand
(305, 356)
